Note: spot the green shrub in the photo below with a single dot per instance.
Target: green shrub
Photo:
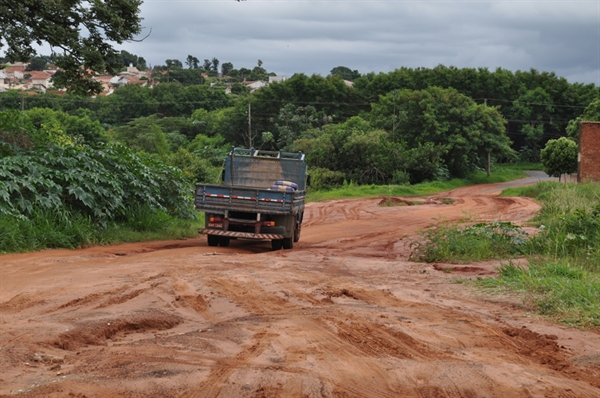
(321, 178)
(449, 242)
(97, 183)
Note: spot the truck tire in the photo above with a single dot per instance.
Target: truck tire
(288, 243)
(213, 240)
(276, 244)
(224, 241)
(297, 232)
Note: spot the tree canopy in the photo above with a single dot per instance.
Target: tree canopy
(79, 33)
(464, 130)
(559, 157)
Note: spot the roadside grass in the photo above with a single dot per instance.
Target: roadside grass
(473, 241)
(501, 173)
(562, 278)
(47, 229)
(523, 166)
(559, 288)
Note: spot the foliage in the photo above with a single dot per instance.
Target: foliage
(534, 107)
(498, 87)
(23, 23)
(291, 122)
(559, 157)
(345, 73)
(144, 134)
(558, 288)
(81, 129)
(590, 114)
(464, 131)
(54, 228)
(321, 178)
(447, 241)
(562, 278)
(197, 168)
(98, 183)
(352, 190)
(18, 130)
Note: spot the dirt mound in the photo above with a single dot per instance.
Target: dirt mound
(97, 332)
(545, 350)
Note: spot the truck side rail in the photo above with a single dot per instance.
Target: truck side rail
(271, 154)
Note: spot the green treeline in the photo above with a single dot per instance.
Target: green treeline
(409, 125)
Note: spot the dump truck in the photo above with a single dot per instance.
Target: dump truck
(260, 196)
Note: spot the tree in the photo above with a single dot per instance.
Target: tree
(226, 67)
(80, 34)
(291, 122)
(173, 63)
(38, 63)
(215, 64)
(559, 157)
(192, 62)
(466, 131)
(345, 72)
(206, 65)
(533, 108)
(128, 58)
(590, 114)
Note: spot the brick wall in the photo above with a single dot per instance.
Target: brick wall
(589, 151)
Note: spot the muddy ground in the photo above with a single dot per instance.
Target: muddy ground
(343, 314)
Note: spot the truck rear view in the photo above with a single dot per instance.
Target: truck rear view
(261, 197)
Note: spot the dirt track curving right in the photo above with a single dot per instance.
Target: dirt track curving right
(343, 314)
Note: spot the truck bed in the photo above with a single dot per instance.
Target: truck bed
(213, 198)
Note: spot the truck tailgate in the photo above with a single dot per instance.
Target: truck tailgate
(218, 198)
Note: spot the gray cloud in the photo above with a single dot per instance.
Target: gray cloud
(315, 36)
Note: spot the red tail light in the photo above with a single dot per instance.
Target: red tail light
(214, 219)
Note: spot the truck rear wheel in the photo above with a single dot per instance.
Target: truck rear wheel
(213, 240)
(297, 232)
(288, 243)
(276, 244)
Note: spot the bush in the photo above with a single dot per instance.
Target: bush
(321, 178)
(97, 183)
(449, 242)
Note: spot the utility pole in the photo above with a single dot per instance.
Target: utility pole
(250, 140)
(394, 119)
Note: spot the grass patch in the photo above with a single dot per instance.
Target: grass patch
(559, 288)
(350, 190)
(563, 278)
(53, 228)
(449, 242)
(522, 166)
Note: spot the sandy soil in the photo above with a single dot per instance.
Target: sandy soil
(343, 314)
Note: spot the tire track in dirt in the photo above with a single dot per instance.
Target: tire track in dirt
(224, 368)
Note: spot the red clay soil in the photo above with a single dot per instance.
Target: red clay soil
(343, 314)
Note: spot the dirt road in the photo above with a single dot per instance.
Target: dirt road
(344, 314)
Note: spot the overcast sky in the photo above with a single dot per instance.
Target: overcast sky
(314, 36)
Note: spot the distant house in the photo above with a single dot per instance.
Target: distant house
(277, 79)
(255, 85)
(39, 80)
